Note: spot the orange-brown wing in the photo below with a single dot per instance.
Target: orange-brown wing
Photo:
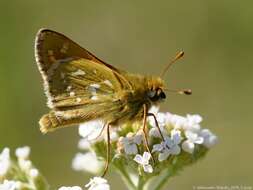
(51, 46)
(68, 70)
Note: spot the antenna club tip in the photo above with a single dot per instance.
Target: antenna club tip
(180, 54)
(187, 91)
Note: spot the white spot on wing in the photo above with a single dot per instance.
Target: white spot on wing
(93, 88)
(95, 85)
(78, 100)
(107, 82)
(72, 93)
(94, 98)
(69, 88)
(78, 72)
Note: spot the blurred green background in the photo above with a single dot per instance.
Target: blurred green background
(139, 36)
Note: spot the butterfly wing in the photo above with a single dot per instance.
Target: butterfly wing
(73, 76)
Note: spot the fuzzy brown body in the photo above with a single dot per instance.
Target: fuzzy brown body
(81, 87)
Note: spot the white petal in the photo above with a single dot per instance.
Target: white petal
(163, 155)
(148, 168)
(146, 156)
(154, 109)
(199, 140)
(194, 118)
(153, 132)
(5, 162)
(10, 185)
(138, 139)
(157, 148)
(100, 187)
(87, 162)
(191, 136)
(84, 144)
(188, 146)
(99, 180)
(98, 183)
(34, 173)
(70, 188)
(177, 121)
(91, 129)
(138, 158)
(85, 129)
(175, 150)
(131, 149)
(210, 141)
(23, 152)
(205, 133)
(161, 118)
(168, 142)
(176, 136)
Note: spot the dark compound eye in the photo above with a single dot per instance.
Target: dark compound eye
(156, 95)
(162, 95)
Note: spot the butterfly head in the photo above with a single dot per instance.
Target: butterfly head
(155, 91)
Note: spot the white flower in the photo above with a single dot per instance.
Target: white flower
(70, 188)
(34, 173)
(91, 130)
(154, 110)
(209, 138)
(144, 161)
(98, 183)
(23, 152)
(10, 185)
(177, 121)
(87, 162)
(192, 123)
(5, 162)
(84, 144)
(192, 139)
(154, 132)
(169, 147)
(194, 119)
(130, 143)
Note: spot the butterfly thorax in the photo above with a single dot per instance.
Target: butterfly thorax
(146, 90)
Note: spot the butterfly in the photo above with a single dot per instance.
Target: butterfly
(80, 87)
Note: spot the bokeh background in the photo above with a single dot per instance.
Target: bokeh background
(139, 36)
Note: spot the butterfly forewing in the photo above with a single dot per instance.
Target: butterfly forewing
(72, 75)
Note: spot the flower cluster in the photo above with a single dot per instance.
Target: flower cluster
(180, 142)
(19, 173)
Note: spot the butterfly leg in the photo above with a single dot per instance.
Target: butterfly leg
(156, 123)
(100, 133)
(108, 150)
(144, 129)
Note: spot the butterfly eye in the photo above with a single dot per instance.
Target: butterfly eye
(151, 94)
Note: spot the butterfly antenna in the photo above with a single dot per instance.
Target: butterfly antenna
(181, 91)
(178, 56)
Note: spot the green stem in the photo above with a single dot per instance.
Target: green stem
(141, 183)
(126, 178)
(163, 181)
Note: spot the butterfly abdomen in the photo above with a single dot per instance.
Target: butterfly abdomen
(59, 119)
(46, 123)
